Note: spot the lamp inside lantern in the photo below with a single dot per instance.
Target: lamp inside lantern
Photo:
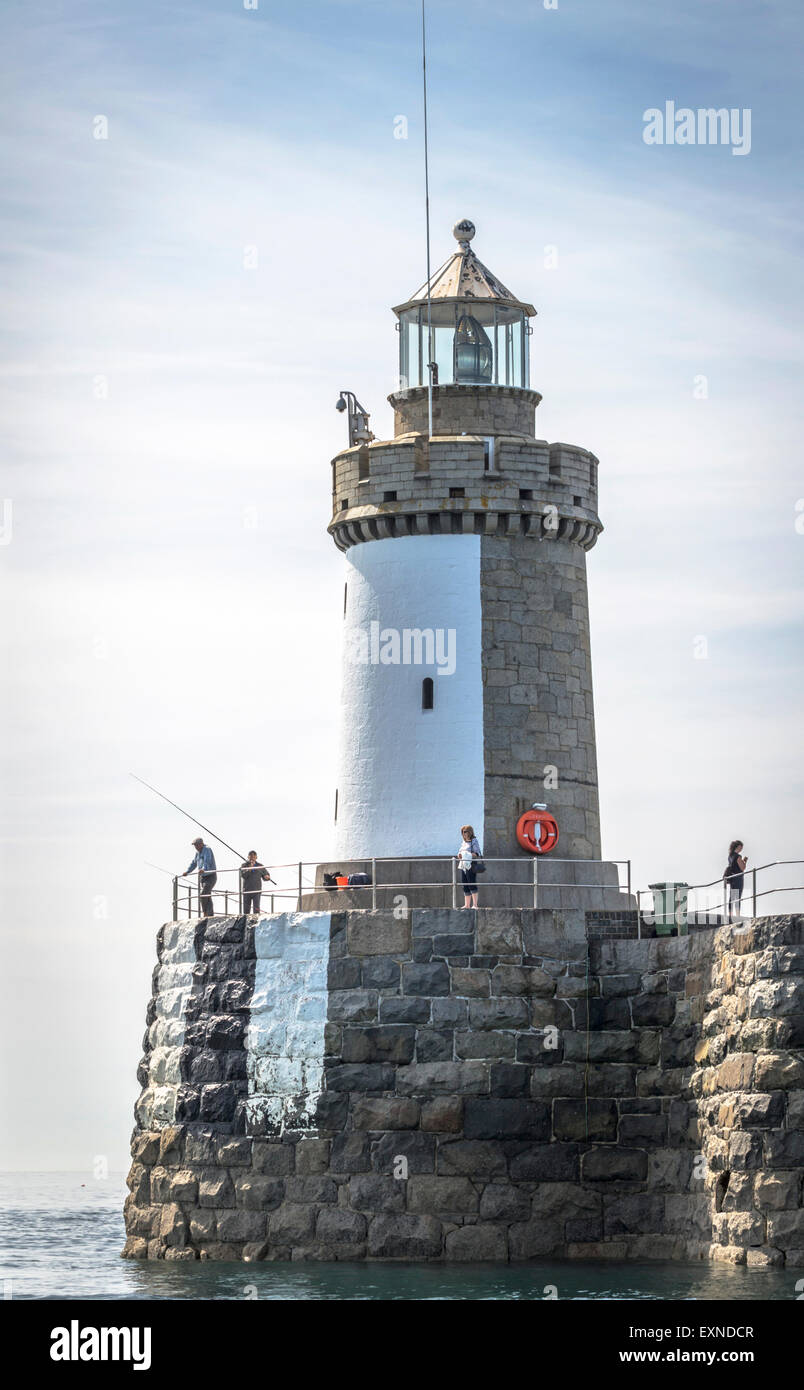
(473, 351)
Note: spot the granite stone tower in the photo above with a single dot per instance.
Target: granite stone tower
(467, 689)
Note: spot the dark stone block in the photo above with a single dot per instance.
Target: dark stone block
(226, 1031)
(199, 1067)
(506, 1119)
(472, 1159)
(311, 1189)
(583, 1229)
(404, 1236)
(544, 1163)
(229, 930)
(423, 950)
(388, 1043)
(653, 1010)
(614, 1164)
(449, 1013)
(486, 1044)
(643, 1105)
(507, 1079)
(218, 1102)
(418, 1149)
(504, 1202)
(609, 1013)
(434, 1046)
(790, 1031)
(331, 1111)
(619, 986)
(425, 979)
(530, 1047)
(380, 972)
(399, 1009)
(341, 1229)
(612, 1079)
(498, 1013)
(458, 945)
(678, 1122)
(344, 973)
(234, 1065)
(585, 1119)
(643, 1129)
(639, 1214)
(350, 1154)
(188, 1103)
(483, 962)
(678, 1047)
(359, 1077)
(375, 1192)
(353, 1006)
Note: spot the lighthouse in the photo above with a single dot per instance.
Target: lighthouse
(467, 678)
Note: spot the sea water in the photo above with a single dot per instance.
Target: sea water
(61, 1235)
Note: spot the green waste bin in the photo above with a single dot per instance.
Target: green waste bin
(670, 908)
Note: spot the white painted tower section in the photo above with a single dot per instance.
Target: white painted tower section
(408, 777)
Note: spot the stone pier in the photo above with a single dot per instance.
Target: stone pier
(456, 1085)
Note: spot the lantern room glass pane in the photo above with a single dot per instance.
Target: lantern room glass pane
(472, 342)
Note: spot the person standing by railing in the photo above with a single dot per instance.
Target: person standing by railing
(733, 880)
(252, 875)
(204, 862)
(468, 853)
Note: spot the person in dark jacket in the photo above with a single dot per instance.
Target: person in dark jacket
(253, 874)
(733, 879)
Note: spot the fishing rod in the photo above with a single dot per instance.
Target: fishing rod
(195, 822)
(158, 868)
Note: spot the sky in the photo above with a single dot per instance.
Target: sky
(182, 301)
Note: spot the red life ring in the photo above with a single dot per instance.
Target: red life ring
(526, 832)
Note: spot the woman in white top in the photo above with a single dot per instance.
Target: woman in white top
(468, 852)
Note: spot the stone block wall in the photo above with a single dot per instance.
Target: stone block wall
(748, 1084)
(471, 1085)
(485, 410)
(538, 710)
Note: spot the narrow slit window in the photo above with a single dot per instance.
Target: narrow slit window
(336, 803)
(427, 692)
(345, 592)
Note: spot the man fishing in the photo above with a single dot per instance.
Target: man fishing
(204, 862)
(253, 875)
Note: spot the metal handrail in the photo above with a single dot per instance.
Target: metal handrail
(297, 892)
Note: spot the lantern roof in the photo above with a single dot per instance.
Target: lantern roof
(463, 276)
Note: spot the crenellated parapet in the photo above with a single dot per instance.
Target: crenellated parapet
(465, 484)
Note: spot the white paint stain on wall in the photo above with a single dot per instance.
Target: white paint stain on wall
(285, 1037)
(408, 778)
(156, 1106)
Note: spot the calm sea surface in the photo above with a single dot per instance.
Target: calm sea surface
(61, 1236)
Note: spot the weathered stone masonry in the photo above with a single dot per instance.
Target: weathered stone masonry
(666, 1121)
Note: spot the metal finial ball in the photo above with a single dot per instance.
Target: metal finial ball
(463, 231)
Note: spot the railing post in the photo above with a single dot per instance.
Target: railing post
(299, 900)
(373, 883)
(628, 862)
(535, 881)
(226, 902)
(175, 900)
(454, 865)
(754, 884)
(639, 913)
